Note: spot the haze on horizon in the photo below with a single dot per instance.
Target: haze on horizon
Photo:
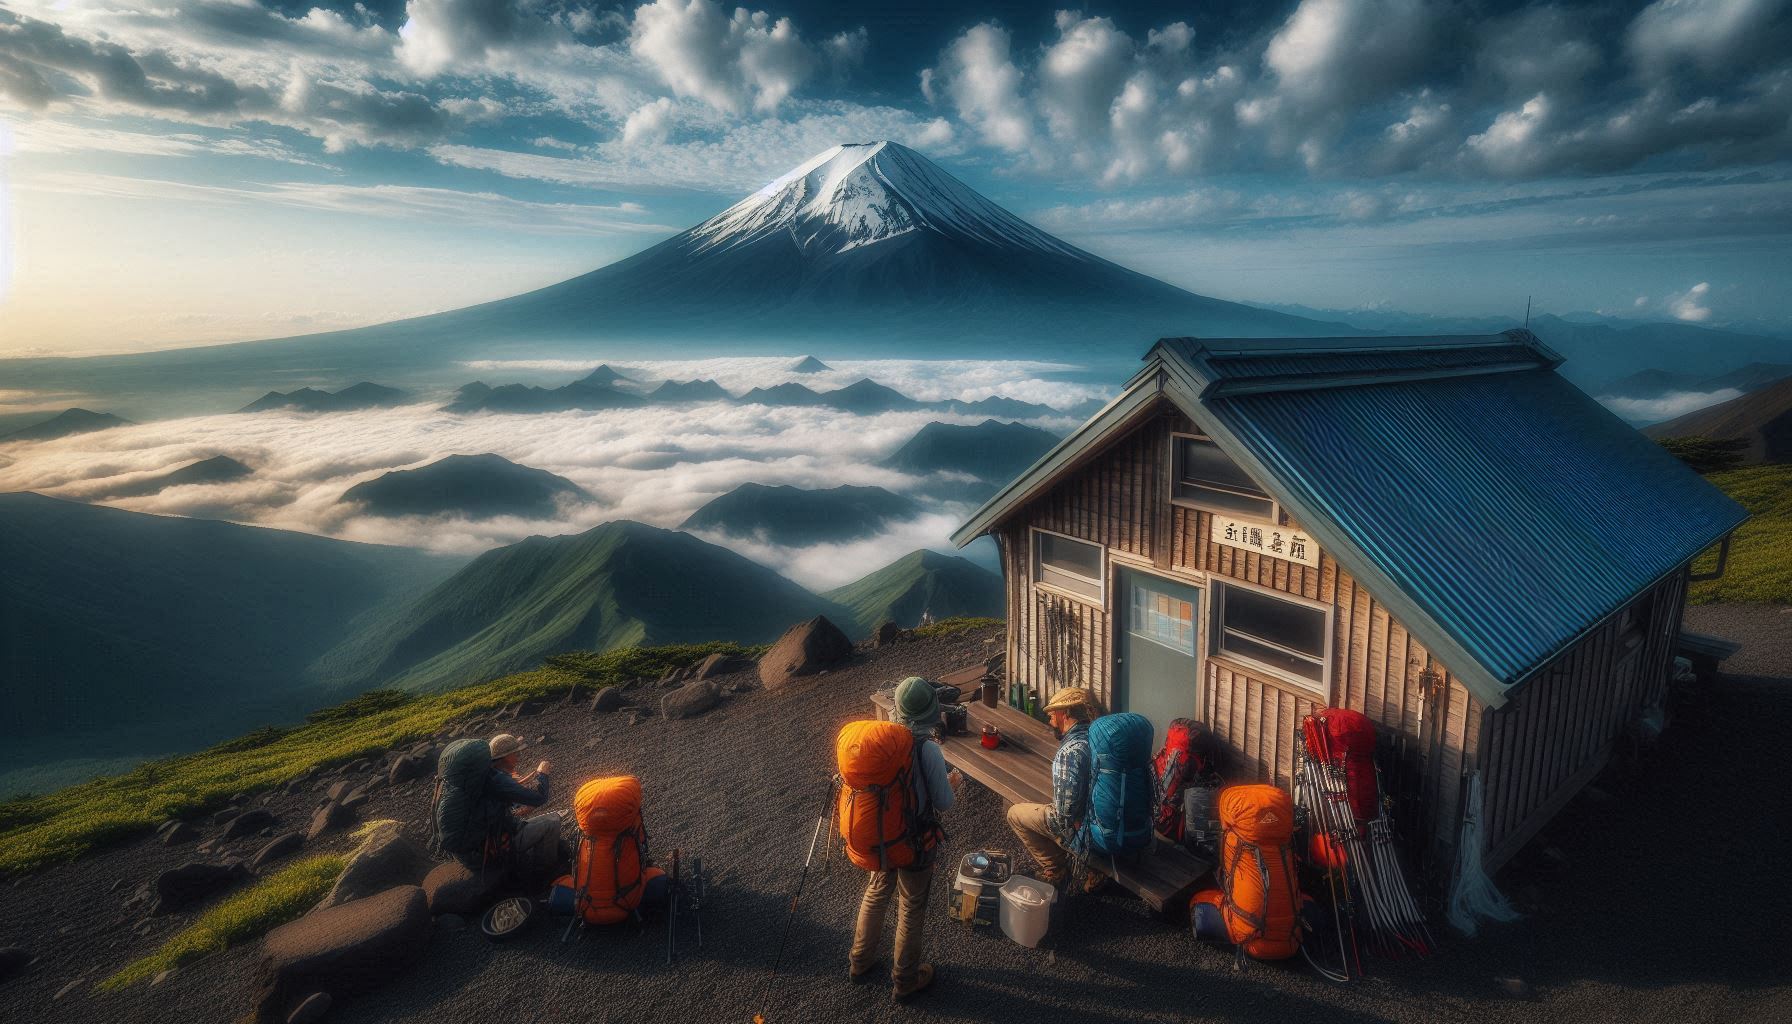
(227, 169)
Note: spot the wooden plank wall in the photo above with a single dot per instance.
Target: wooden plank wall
(1557, 731)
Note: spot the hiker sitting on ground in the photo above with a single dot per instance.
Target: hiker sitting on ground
(1047, 830)
(534, 843)
(935, 791)
(475, 796)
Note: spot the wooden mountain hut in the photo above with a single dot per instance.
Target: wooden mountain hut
(1439, 532)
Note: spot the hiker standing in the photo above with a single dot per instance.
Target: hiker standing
(935, 790)
(1047, 830)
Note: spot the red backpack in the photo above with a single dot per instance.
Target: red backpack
(1192, 756)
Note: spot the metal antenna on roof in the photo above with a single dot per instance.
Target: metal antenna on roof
(1527, 312)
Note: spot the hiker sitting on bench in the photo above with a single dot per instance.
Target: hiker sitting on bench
(1046, 830)
(534, 843)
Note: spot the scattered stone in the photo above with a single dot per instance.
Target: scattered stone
(405, 767)
(690, 701)
(888, 632)
(387, 858)
(117, 883)
(355, 801)
(192, 882)
(607, 700)
(1517, 988)
(276, 848)
(453, 888)
(331, 817)
(227, 814)
(543, 738)
(805, 649)
(247, 823)
(311, 1010)
(70, 987)
(740, 686)
(157, 981)
(13, 961)
(340, 790)
(718, 664)
(295, 787)
(636, 718)
(240, 798)
(341, 950)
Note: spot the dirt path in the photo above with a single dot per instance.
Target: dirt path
(1659, 895)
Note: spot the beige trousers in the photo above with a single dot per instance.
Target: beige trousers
(910, 887)
(1030, 823)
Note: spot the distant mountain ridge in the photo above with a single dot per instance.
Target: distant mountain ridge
(792, 516)
(1760, 420)
(216, 470)
(478, 486)
(67, 423)
(922, 583)
(615, 585)
(364, 395)
(993, 451)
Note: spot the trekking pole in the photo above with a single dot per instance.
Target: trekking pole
(697, 896)
(790, 915)
(672, 911)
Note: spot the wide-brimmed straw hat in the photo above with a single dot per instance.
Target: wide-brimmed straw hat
(504, 745)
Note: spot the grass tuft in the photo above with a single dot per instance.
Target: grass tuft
(246, 916)
(953, 627)
(1760, 567)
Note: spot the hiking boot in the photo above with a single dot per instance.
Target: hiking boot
(1055, 881)
(861, 977)
(922, 979)
(1094, 882)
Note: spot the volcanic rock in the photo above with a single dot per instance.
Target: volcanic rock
(340, 950)
(805, 649)
(690, 701)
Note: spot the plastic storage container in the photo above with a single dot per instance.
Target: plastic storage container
(1026, 909)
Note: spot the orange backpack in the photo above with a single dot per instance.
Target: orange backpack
(609, 870)
(1259, 894)
(879, 816)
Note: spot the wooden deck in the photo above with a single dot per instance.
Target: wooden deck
(1164, 876)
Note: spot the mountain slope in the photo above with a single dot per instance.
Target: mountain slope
(215, 470)
(617, 584)
(788, 515)
(66, 423)
(921, 582)
(1762, 419)
(364, 395)
(480, 486)
(992, 451)
(148, 633)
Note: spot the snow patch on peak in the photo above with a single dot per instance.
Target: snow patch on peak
(860, 194)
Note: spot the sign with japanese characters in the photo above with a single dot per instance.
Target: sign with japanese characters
(1266, 539)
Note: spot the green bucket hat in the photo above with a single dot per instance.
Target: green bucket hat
(917, 703)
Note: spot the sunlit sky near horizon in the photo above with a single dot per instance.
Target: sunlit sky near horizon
(214, 170)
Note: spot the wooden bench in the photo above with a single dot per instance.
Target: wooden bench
(1164, 875)
(1704, 651)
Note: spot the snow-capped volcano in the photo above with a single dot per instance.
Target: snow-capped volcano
(863, 193)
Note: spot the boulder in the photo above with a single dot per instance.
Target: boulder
(805, 649)
(339, 790)
(247, 824)
(340, 951)
(181, 832)
(690, 701)
(454, 888)
(355, 801)
(405, 767)
(887, 633)
(311, 1009)
(386, 858)
(193, 882)
(276, 848)
(718, 664)
(227, 814)
(331, 817)
(13, 961)
(607, 700)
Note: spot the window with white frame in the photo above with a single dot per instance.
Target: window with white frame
(1286, 637)
(1207, 479)
(1066, 564)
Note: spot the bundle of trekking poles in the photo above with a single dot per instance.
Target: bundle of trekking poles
(1338, 786)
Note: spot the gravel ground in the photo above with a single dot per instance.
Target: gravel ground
(1658, 894)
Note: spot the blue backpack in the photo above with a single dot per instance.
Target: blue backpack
(1121, 793)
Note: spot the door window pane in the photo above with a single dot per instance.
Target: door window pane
(1162, 619)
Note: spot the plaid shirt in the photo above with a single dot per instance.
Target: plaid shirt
(1070, 782)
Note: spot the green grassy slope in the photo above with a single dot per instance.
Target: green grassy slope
(946, 585)
(1760, 566)
(189, 628)
(616, 585)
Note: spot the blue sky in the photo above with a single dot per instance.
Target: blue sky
(224, 169)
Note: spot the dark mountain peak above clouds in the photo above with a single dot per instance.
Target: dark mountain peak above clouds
(580, 394)
(795, 517)
(868, 396)
(216, 470)
(689, 391)
(365, 395)
(1761, 419)
(992, 451)
(788, 393)
(605, 374)
(477, 486)
(66, 423)
(809, 364)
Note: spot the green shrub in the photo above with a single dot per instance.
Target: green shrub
(243, 917)
(952, 627)
(1759, 570)
(1706, 454)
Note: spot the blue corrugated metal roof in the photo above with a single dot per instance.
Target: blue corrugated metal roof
(1497, 509)
(1511, 507)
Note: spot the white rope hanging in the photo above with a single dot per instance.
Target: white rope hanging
(1473, 895)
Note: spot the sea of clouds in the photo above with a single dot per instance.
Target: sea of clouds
(656, 464)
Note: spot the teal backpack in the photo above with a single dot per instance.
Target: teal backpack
(462, 816)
